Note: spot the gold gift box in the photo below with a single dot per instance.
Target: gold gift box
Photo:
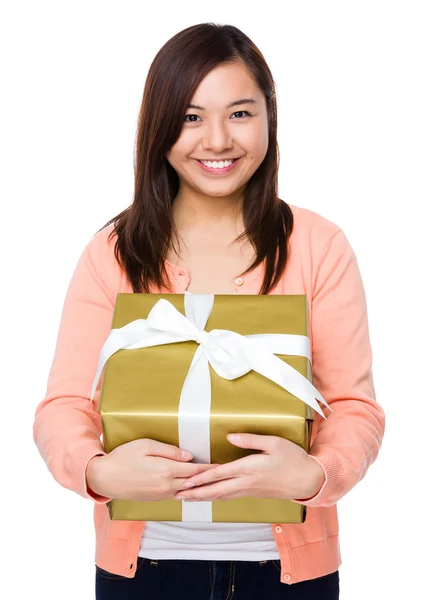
(141, 388)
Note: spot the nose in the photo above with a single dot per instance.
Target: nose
(217, 137)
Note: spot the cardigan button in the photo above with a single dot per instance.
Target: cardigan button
(278, 529)
(287, 577)
(239, 281)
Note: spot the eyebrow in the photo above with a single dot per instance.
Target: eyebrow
(235, 103)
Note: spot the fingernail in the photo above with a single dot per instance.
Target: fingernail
(180, 497)
(233, 437)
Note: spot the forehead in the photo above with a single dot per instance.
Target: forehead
(225, 84)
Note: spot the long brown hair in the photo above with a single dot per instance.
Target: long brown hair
(144, 230)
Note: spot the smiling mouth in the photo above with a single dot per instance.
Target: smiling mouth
(221, 163)
(218, 159)
(219, 167)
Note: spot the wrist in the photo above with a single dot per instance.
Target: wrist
(94, 474)
(315, 479)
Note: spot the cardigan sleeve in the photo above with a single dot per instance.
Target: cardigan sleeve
(67, 427)
(348, 441)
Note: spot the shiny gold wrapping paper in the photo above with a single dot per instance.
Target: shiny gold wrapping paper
(141, 389)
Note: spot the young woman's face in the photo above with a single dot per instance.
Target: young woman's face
(217, 131)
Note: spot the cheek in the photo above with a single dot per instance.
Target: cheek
(180, 156)
(261, 141)
(185, 144)
(177, 152)
(255, 142)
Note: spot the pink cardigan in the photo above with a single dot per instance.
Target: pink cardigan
(323, 266)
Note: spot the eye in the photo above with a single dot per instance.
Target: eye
(242, 111)
(186, 120)
(190, 116)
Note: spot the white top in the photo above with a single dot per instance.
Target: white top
(208, 541)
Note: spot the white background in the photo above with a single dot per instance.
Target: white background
(72, 73)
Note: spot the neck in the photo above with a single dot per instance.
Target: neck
(193, 209)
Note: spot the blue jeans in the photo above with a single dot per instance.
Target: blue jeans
(211, 580)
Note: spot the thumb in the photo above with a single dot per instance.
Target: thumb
(253, 441)
(156, 448)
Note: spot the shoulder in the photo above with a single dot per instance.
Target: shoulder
(313, 226)
(317, 245)
(315, 235)
(100, 256)
(102, 243)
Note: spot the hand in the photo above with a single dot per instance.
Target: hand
(141, 470)
(283, 470)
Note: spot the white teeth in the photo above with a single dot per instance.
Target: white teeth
(217, 165)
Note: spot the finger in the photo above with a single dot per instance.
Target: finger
(225, 471)
(155, 448)
(187, 470)
(254, 441)
(235, 487)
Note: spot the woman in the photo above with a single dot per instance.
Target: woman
(206, 219)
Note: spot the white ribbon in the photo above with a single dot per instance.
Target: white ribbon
(230, 354)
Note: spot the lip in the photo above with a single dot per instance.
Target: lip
(218, 171)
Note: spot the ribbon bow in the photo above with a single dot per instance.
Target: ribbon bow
(230, 354)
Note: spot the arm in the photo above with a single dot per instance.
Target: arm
(67, 426)
(348, 441)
